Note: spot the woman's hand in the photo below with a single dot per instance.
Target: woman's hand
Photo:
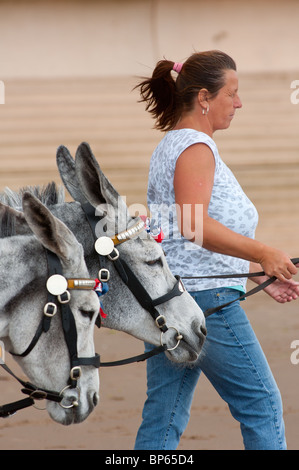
(277, 263)
(283, 292)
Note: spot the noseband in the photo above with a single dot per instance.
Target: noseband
(57, 287)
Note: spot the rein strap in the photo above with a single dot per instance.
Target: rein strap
(255, 290)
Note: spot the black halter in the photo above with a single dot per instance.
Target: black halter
(137, 289)
(70, 335)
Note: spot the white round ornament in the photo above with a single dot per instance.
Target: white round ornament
(56, 284)
(104, 246)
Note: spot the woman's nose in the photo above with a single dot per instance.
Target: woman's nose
(238, 102)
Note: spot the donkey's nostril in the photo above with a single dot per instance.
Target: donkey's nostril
(95, 399)
(203, 330)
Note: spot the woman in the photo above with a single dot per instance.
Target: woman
(187, 172)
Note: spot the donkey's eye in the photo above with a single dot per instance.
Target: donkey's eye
(155, 262)
(87, 313)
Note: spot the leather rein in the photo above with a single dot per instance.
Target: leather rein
(141, 294)
(255, 290)
(106, 250)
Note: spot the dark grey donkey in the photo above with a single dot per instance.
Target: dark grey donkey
(86, 183)
(24, 281)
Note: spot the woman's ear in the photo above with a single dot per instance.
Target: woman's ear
(202, 97)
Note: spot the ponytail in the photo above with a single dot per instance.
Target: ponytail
(160, 95)
(166, 97)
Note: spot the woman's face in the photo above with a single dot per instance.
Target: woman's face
(223, 106)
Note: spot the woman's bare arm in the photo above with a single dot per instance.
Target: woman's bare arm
(193, 184)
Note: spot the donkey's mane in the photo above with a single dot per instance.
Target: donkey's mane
(48, 194)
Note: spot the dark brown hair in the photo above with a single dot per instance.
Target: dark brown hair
(166, 97)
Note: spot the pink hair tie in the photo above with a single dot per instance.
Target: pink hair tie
(177, 67)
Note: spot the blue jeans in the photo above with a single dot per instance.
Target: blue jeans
(234, 363)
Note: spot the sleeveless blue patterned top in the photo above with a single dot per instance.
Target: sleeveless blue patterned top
(229, 205)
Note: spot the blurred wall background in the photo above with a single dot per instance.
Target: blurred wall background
(126, 37)
(69, 68)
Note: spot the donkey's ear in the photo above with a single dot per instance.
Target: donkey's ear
(94, 184)
(13, 222)
(66, 166)
(49, 230)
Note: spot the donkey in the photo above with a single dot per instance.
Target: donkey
(87, 184)
(23, 303)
